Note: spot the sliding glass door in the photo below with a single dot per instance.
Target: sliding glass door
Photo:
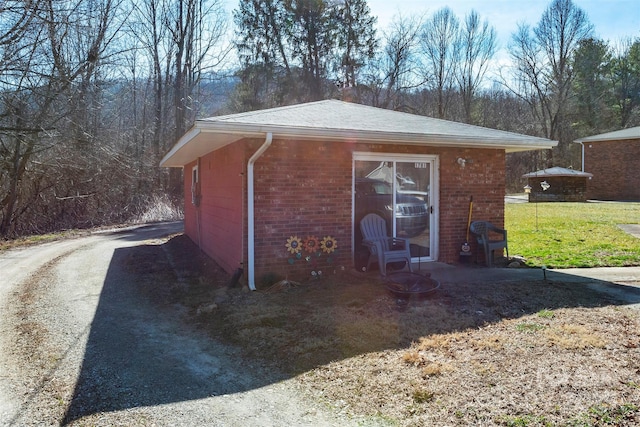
(403, 190)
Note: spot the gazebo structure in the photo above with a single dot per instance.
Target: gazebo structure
(557, 185)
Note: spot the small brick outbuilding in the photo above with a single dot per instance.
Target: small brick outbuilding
(614, 160)
(280, 192)
(557, 185)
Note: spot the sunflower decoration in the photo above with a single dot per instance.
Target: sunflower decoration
(328, 244)
(294, 244)
(311, 244)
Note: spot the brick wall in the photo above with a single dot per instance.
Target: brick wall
(614, 165)
(561, 189)
(483, 177)
(304, 188)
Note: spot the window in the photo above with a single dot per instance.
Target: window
(195, 191)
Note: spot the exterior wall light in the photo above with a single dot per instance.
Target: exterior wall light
(463, 162)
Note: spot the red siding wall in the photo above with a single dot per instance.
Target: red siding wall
(614, 165)
(216, 225)
(303, 188)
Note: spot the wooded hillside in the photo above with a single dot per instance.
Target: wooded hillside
(94, 92)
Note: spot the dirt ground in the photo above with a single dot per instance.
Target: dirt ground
(95, 331)
(513, 354)
(160, 335)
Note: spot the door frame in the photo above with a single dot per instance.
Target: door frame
(434, 197)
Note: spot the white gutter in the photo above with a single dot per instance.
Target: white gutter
(250, 210)
(579, 142)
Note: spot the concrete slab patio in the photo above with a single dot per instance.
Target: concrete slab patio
(454, 273)
(620, 282)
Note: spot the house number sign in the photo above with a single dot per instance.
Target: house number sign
(420, 165)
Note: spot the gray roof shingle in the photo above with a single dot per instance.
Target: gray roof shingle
(339, 120)
(556, 171)
(629, 133)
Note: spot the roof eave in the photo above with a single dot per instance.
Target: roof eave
(182, 142)
(617, 138)
(235, 131)
(582, 175)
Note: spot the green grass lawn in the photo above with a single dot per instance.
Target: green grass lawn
(565, 235)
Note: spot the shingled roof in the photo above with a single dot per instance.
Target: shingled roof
(629, 133)
(342, 121)
(556, 171)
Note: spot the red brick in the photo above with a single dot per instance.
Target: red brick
(614, 165)
(304, 188)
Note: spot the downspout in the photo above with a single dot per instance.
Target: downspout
(250, 210)
(582, 145)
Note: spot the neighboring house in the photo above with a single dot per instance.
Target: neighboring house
(272, 192)
(614, 159)
(557, 185)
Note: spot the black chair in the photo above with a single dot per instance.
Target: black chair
(489, 238)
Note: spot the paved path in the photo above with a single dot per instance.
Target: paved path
(623, 283)
(79, 345)
(633, 229)
(516, 198)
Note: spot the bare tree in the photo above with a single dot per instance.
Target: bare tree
(92, 95)
(79, 35)
(21, 122)
(439, 40)
(16, 17)
(55, 50)
(182, 40)
(395, 70)
(477, 46)
(543, 73)
(197, 28)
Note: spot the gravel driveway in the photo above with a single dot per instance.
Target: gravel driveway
(80, 346)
